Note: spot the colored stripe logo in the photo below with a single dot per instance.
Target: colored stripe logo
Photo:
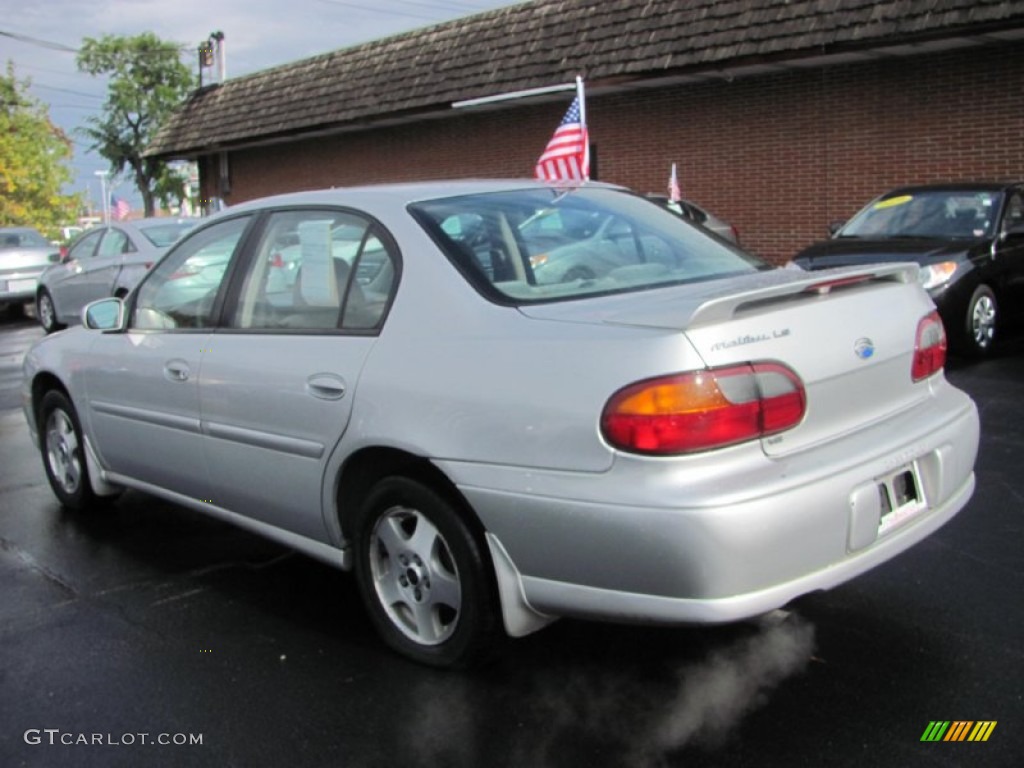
(959, 730)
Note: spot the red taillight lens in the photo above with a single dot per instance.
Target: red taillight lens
(701, 410)
(929, 347)
(186, 270)
(277, 261)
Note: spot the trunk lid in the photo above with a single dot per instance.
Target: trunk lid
(848, 333)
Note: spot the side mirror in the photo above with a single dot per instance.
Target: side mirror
(104, 315)
(835, 226)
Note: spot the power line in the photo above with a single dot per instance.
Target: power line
(379, 11)
(41, 43)
(67, 90)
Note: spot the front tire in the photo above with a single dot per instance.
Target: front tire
(46, 312)
(63, 449)
(424, 576)
(979, 331)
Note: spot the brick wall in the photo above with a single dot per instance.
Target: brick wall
(779, 156)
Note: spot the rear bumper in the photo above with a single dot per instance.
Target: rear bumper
(19, 287)
(723, 538)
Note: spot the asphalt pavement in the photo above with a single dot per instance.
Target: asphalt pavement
(151, 636)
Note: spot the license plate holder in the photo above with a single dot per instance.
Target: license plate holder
(902, 497)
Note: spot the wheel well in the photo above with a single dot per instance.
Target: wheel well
(42, 384)
(366, 467)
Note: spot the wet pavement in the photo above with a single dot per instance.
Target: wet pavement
(149, 635)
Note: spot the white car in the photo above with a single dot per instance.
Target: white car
(699, 438)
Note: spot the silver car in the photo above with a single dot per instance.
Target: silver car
(24, 255)
(105, 261)
(696, 439)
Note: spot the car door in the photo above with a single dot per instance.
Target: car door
(143, 383)
(278, 381)
(62, 283)
(1009, 249)
(96, 280)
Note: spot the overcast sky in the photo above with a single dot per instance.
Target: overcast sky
(259, 34)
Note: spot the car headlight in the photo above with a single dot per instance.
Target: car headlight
(934, 275)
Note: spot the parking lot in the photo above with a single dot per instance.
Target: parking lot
(153, 636)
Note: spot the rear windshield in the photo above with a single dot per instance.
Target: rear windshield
(25, 238)
(539, 244)
(163, 235)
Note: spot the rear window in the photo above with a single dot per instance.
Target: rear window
(22, 239)
(542, 244)
(164, 235)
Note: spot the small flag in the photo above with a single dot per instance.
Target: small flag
(567, 156)
(673, 186)
(120, 208)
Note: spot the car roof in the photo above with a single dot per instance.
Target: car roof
(404, 193)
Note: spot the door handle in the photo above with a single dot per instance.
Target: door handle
(326, 386)
(177, 370)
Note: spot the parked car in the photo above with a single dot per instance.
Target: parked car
(699, 439)
(24, 255)
(692, 212)
(105, 261)
(967, 238)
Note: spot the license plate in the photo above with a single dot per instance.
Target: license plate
(902, 498)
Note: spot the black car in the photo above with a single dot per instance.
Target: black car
(968, 239)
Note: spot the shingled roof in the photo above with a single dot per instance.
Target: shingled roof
(544, 42)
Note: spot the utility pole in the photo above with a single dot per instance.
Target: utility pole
(103, 196)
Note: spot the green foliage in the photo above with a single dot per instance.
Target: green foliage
(147, 81)
(34, 156)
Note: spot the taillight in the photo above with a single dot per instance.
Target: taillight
(186, 270)
(701, 410)
(929, 347)
(277, 261)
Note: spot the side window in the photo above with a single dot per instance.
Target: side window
(85, 247)
(1014, 212)
(180, 291)
(316, 270)
(114, 243)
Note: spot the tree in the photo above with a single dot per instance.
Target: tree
(147, 82)
(34, 157)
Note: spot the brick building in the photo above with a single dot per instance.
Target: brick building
(782, 115)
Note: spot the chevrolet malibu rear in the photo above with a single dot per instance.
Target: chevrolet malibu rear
(673, 433)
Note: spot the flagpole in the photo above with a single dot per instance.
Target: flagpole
(583, 124)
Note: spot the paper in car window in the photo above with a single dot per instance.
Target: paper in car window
(317, 269)
(892, 202)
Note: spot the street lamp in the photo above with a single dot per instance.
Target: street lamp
(103, 196)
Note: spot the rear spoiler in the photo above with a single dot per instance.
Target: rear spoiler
(778, 286)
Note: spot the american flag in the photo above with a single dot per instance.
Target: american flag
(566, 156)
(673, 186)
(120, 208)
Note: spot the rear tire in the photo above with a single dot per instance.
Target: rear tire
(63, 449)
(424, 576)
(46, 312)
(979, 329)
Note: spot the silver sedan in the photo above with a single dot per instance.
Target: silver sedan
(691, 438)
(24, 255)
(104, 261)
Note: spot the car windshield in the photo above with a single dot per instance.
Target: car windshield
(22, 239)
(542, 244)
(163, 234)
(949, 213)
